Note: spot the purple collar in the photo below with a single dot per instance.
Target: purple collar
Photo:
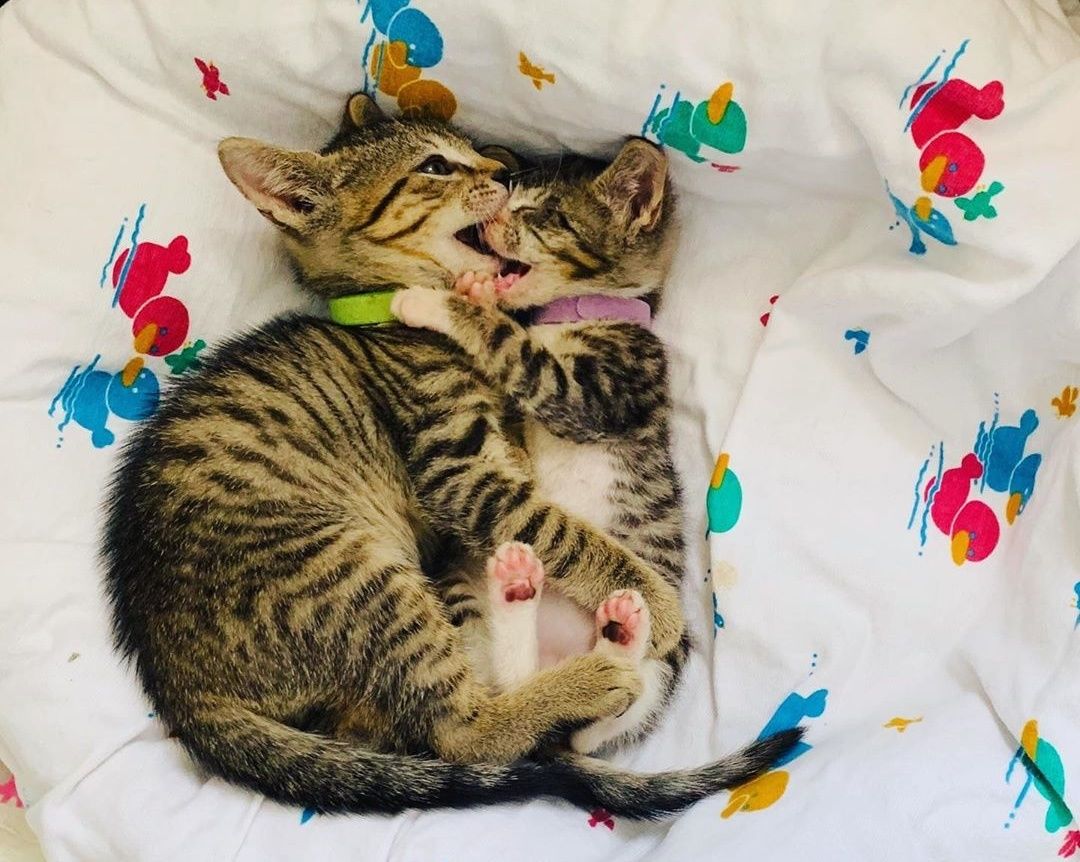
(570, 309)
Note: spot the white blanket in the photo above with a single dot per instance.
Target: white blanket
(894, 513)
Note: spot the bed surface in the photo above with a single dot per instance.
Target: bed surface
(874, 321)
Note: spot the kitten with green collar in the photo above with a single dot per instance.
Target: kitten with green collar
(587, 247)
(273, 529)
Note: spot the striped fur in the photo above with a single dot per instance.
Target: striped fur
(593, 394)
(272, 530)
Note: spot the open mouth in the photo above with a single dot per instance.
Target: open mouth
(473, 237)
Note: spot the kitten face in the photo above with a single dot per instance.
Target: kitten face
(380, 204)
(588, 229)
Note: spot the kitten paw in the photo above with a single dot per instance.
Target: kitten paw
(423, 308)
(595, 686)
(623, 624)
(477, 288)
(515, 574)
(484, 290)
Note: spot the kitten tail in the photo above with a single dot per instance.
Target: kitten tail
(334, 776)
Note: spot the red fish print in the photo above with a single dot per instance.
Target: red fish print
(972, 524)
(953, 491)
(160, 323)
(211, 79)
(149, 270)
(601, 815)
(952, 105)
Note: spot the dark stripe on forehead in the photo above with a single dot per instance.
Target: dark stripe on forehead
(381, 206)
(570, 227)
(603, 263)
(581, 268)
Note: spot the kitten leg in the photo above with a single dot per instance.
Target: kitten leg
(474, 485)
(471, 485)
(588, 565)
(622, 628)
(469, 611)
(515, 579)
(498, 729)
(557, 383)
(434, 696)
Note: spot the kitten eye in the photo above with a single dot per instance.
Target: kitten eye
(435, 166)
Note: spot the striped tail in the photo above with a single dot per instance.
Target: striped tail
(331, 775)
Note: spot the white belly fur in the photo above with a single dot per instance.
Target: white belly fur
(578, 477)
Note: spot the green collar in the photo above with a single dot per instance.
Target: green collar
(362, 309)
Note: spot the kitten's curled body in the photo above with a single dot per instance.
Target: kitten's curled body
(593, 394)
(270, 526)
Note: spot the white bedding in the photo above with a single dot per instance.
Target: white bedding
(837, 600)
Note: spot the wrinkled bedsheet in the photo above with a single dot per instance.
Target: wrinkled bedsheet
(874, 323)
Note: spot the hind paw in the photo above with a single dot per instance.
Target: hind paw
(515, 573)
(623, 624)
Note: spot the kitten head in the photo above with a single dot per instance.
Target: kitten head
(582, 227)
(380, 204)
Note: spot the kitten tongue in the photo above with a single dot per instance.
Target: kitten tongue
(505, 281)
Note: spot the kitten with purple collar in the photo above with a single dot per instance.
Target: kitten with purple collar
(273, 530)
(585, 248)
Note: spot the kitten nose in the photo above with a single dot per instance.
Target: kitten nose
(502, 177)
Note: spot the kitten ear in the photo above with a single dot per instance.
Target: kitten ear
(503, 156)
(361, 110)
(633, 185)
(284, 185)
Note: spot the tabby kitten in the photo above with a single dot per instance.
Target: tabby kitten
(269, 527)
(594, 396)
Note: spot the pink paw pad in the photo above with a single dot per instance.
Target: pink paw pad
(481, 289)
(476, 287)
(621, 618)
(464, 283)
(515, 572)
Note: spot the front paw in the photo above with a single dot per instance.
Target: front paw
(484, 290)
(595, 686)
(423, 308)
